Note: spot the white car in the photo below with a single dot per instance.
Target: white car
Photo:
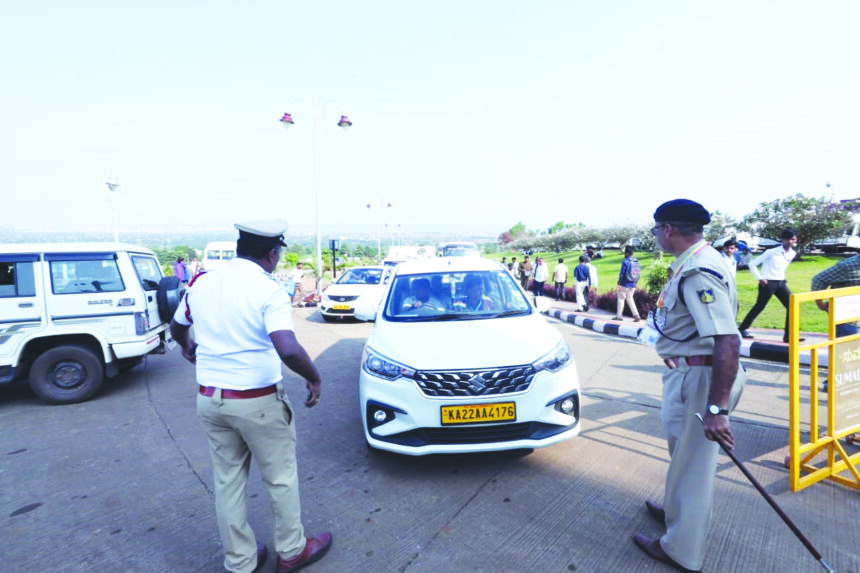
(460, 361)
(356, 286)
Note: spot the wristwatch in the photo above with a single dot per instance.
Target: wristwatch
(715, 410)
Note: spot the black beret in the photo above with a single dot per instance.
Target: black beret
(682, 211)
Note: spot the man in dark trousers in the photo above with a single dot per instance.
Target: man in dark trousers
(243, 331)
(771, 280)
(694, 333)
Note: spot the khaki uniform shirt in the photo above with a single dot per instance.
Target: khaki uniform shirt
(707, 308)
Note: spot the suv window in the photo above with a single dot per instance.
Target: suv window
(83, 275)
(16, 275)
(147, 270)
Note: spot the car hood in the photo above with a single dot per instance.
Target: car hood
(354, 290)
(465, 344)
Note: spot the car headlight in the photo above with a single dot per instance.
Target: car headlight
(325, 298)
(379, 365)
(555, 360)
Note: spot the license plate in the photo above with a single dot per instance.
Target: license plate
(479, 413)
(341, 307)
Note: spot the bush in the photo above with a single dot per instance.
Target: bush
(656, 276)
(645, 302)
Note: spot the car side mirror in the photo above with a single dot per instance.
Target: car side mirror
(365, 312)
(542, 304)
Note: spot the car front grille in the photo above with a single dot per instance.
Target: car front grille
(447, 383)
(342, 298)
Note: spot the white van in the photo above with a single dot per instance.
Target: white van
(217, 254)
(73, 313)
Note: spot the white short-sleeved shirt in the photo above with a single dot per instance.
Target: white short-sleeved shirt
(234, 309)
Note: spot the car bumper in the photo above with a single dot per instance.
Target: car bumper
(414, 423)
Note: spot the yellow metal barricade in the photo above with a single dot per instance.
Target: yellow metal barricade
(843, 393)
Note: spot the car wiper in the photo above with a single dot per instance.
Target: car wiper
(512, 312)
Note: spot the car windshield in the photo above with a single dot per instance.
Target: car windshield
(455, 296)
(360, 277)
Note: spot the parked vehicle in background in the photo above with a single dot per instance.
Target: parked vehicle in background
(458, 249)
(459, 360)
(356, 286)
(73, 313)
(849, 240)
(218, 254)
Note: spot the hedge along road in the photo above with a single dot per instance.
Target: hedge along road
(799, 276)
(123, 482)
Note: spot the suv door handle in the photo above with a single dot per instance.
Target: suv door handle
(25, 305)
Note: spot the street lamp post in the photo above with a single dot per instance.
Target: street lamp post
(113, 186)
(379, 233)
(344, 123)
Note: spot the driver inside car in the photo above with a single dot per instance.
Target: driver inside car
(422, 299)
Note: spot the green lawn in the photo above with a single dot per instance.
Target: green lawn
(799, 276)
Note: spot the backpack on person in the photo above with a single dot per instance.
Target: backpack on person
(634, 269)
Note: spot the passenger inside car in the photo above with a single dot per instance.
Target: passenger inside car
(474, 299)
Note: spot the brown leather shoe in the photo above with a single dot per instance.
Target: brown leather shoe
(262, 554)
(652, 549)
(656, 511)
(315, 548)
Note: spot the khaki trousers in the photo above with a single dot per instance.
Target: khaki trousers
(622, 294)
(690, 479)
(238, 429)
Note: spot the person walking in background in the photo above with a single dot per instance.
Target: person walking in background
(730, 247)
(628, 277)
(845, 273)
(525, 270)
(559, 278)
(593, 279)
(582, 278)
(540, 276)
(243, 332)
(771, 280)
(194, 269)
(694, 333)
(179, 270)
(295, 279)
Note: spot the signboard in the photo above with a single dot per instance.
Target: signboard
(846, 385)
(846, 308)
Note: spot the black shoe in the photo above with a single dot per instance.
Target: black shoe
(652, 549)
(746, 334)
(656, 511)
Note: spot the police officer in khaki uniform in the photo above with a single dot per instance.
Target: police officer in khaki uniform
(694, 329)
(243, 331)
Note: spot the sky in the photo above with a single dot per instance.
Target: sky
(467, 115)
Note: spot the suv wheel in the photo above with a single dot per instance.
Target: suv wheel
(169, 295)
(66, 374)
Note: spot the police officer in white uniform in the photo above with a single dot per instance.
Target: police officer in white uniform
(695, 333)
(243, 331)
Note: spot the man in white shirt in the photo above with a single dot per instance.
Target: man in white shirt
(295, 278)
(243, 331)
(730, 247)
(540, 276)
(771, 280)
(559, 278)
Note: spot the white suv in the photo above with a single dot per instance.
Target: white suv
(459, 360)
(73, 313)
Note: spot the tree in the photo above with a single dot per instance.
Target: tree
(506, 238)
(812, 218)
(517, 230)
(720, 226)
